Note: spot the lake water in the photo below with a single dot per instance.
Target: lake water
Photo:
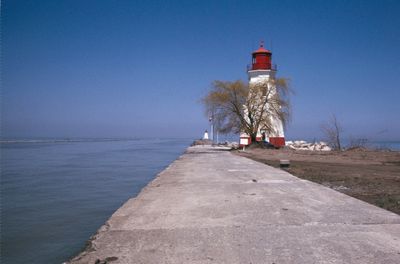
(56, 194)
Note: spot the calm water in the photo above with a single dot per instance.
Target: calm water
(392, 145)
(55, 195)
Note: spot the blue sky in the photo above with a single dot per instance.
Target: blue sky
(138, 68)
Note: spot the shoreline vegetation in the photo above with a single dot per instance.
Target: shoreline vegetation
(372, 176)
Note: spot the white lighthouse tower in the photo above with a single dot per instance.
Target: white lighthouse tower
(262, 70)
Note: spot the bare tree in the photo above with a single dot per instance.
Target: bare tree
(239, 107)
(333, 131)
(357, 143)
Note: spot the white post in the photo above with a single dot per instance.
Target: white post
(212, 132)
(211, 119)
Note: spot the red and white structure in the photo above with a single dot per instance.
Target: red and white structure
(262, 70)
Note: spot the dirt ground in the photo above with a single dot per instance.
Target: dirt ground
(369, 175)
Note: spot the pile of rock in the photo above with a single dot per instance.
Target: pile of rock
(207, 142)
(233, 145)
(303, 145)
(202, 142)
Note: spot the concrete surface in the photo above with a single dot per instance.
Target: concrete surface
(210, 206)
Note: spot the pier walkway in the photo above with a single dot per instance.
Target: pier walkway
(211, 206)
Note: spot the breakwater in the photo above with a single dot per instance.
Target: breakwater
(211, 206)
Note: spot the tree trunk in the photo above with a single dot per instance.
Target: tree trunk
(253, 137)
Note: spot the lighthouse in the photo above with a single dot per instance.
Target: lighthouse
(262, 70)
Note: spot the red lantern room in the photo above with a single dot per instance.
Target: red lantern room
(261, 58)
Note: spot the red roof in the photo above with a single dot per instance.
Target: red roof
(261, 49)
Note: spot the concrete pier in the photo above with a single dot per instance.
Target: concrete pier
(210, 206)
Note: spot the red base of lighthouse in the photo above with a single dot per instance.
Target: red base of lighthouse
(277, 141)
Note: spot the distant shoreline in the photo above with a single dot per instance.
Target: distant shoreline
(393, 145)
(72, 140)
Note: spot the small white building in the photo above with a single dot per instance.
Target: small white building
(205, 136)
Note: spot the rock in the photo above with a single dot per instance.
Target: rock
(234, 145)
(303, 145)
(326, 148)
(202, 142)
(340, 188)
(292, 147)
